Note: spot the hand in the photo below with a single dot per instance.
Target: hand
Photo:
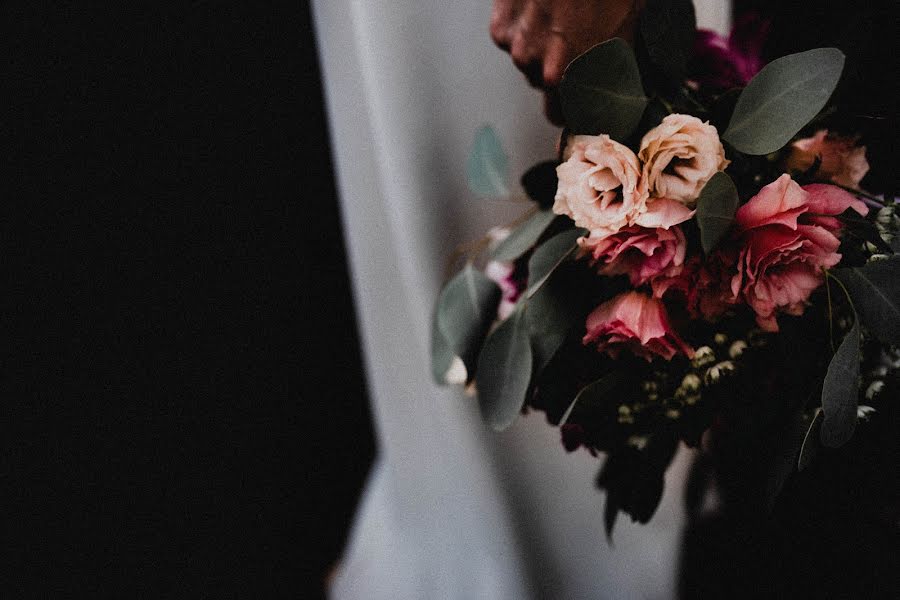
(543, 36)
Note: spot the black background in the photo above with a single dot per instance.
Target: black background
(181, 397)
(182, 409)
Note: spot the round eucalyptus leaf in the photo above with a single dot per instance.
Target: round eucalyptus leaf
(716, 207)
(783, 97)
(466, 308)
(601, 91)
(524, 237)
(487, 166)
(548, 256)
(840, 392)
(504, 371)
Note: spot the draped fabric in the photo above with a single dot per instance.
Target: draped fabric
(452, 510)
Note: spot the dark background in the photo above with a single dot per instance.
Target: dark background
(183, 408)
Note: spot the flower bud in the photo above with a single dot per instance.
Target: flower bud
(717, 371)
(737, 349)
(703, 356)
(874, 389)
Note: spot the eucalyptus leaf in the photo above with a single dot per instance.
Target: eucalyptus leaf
(548, 256)
(466, 308)
(601, 91)
(597, 392)
(811, 441)
(840, 392)
(442, 354)
(488, 165)
(524, 237)
(504, 371)
(783, 97)
(716, 207)
(551, 316)
(875, 292)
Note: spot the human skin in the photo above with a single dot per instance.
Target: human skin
(543, 36)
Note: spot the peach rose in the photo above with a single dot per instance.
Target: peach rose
(635, 322)
(842, 161)
(642, 254)
(783, 250)
(599, 184)
(679, 156)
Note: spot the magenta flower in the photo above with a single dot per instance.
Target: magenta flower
(719, 64)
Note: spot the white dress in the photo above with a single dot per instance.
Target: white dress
(452, 510)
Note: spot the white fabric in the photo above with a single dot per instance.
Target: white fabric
(452, 510)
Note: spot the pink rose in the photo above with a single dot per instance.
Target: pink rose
(679, 156)
(640, 253)
(598, 184)
(704, 286)
(842, 161)
(787, 235)
(635, 322)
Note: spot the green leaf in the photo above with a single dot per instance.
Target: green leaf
(526, 235)
(782, 98)
(548, 256)
(598, 392)
(504, 371)
(551, 315)
(466, 308)
(488, 165)
(875, 292)
(540, 183)
(810, 445)
(442, 354)
(716, 206)
(601, 91)
(840, 392)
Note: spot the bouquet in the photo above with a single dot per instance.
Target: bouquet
(700, 255)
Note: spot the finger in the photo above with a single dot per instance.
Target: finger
(526, 49)
(557, 55)
(503, 18)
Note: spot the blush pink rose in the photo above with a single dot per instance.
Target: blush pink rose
(841, 160)
(599, 184)
(637, 323)
(787, 235)
(640, 253)
(679, 156)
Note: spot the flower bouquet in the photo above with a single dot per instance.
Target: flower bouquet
(698, 257)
